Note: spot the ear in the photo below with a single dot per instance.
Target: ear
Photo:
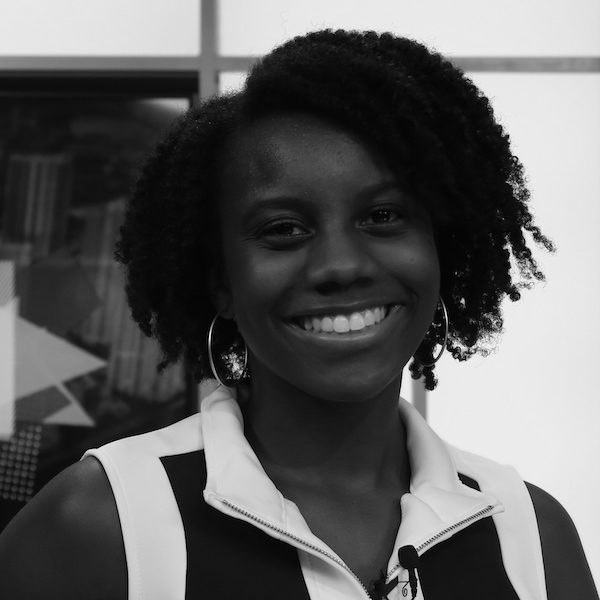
(220, 291)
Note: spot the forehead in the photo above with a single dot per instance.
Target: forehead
(298, 149)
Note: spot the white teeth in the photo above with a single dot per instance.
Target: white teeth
(343, 324)
(357, 322)
(327, 324)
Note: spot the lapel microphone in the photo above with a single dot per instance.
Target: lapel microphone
(409, 560)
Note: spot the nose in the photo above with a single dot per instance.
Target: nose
(339, 260)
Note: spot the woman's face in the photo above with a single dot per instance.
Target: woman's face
(318, 235)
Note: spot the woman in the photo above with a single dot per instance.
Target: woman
(355, 208)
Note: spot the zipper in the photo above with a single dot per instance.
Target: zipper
(297, 539)
(422, 547)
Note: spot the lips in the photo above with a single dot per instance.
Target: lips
(343, 322)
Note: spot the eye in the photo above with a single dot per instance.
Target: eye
(283, 229)
(384, 219)
(382, 215)
(283, 233)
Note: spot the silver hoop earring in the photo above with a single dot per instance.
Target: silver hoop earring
(234, 362)
(446, 327)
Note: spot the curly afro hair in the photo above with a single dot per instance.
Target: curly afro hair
(434, 128)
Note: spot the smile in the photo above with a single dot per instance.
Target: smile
(343, 323)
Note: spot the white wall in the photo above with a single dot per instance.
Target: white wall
(99, 27)
(461, 27)
(535, 403)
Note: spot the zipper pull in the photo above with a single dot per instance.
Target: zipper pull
(379, 589)
(409, 559)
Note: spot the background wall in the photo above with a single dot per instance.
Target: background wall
(535, 402)
(99, 27)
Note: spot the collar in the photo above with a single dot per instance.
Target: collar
(438, 504)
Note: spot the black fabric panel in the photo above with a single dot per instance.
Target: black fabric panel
(469, 482)
(468, 566)
(231, 559)
(228, 558)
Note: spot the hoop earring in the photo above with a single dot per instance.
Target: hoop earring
(233, 363)
(446, 327)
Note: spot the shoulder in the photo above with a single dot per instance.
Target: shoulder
(65, 541)
(567, 571)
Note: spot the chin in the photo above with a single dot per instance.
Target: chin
(354, 387)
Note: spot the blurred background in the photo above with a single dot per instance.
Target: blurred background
(85, 87)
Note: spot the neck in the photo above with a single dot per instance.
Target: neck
(347, 447)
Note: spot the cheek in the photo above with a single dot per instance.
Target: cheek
(427, 268)
(426, 256)
(427, 265)
(259, 285)
(415, 263)
(257, 289)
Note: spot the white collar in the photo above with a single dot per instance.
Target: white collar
(237, 483)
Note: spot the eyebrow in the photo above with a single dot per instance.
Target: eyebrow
(260, 205)
(380, 188)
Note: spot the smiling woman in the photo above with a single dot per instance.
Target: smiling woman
(315, 228)
(355, 208)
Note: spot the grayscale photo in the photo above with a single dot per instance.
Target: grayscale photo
(298, 300)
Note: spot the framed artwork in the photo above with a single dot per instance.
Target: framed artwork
(82, 372)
